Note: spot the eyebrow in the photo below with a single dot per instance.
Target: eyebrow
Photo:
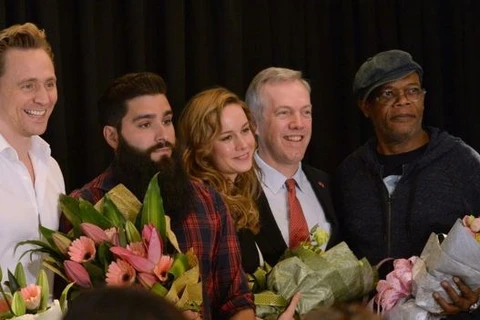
(246, 124)
(36, 80)
(151, 116)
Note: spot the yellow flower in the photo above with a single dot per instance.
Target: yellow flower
(320, 236)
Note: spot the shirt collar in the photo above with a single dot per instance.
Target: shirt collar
(39, 147)
(274, 179)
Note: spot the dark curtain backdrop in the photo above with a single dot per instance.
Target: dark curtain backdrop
(198, 44)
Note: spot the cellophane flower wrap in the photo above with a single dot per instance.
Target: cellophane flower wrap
(322, 277)
(457, 255)
(122, 242)
(22, 301)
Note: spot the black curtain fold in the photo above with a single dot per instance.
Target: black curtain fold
(198, 44)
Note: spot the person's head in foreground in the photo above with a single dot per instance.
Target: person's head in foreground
(352, 311)
(121, 303)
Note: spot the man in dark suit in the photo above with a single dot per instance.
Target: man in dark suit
(280, 102)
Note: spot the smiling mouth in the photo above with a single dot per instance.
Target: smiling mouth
(243, 156)
(35, 113)
(294, 138)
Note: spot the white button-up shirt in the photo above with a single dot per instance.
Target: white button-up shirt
(23, 205)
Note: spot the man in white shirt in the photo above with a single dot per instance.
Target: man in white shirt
(31, 180)
(280, 102)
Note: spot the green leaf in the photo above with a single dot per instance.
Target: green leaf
(43, 247)
(63, 297)
(53, 266)
(179, 266)
(157, 288)
(42, 281)
(152, 210)
(112, 212)
(20, 275)
(12, 282)
(91, 215)
(122, 237)
(133, 235)
(71, 210)
(1, 274)
(47, 234)
(18, 304)
(6, 315)
(104, 254)
(97, 274)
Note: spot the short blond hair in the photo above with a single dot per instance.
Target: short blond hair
(22, 36)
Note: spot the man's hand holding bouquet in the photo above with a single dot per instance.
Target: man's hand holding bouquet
(407, 292)
(120, 242)
(322, 277)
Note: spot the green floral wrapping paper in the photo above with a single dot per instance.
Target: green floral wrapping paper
(323, 278)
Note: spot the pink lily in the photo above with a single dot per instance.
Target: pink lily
(147, 279)
(139, 263)
(156, 263)
(112, 234)
(77, 273)
(138, 249)
(147, 233)
(31, 295)
(97, 234)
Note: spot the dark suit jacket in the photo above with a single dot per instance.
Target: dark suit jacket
(270, 240)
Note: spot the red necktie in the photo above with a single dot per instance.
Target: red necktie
(298, 225)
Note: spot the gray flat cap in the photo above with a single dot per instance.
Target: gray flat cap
(384, 67)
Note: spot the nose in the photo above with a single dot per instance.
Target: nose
(241, 143)
(42, 96)
(401, 99)
(296, 121)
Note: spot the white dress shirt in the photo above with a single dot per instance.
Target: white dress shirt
(24, 205)
(273, 185)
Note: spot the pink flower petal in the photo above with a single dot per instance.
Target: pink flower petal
(77, 273)
(154, 247)
(147, 279)
(31, 295)
(475, 225)
(82, 250)
(162, 267)
(120, 273)
(140, 264)
(94, 232)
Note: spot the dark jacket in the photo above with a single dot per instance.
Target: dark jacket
(269, 239)
(436, 189)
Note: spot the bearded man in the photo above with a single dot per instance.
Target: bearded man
(137, 124)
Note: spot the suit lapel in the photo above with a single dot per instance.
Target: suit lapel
(320, 185)
(269, 239)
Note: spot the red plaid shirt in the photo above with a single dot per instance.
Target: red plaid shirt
(209, 230)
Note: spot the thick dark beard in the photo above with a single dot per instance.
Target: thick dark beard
(135, 168)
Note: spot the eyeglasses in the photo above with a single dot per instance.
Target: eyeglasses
(389, 96)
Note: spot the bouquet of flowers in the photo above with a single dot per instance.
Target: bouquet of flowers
(322, 277)
(120, 242)
(22, 301)
(407, 291)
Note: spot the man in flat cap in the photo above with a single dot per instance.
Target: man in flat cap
(409, 180)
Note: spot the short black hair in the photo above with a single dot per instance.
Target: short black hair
(112, 105)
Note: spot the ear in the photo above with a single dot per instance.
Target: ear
(364, 106)
(111, 136)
